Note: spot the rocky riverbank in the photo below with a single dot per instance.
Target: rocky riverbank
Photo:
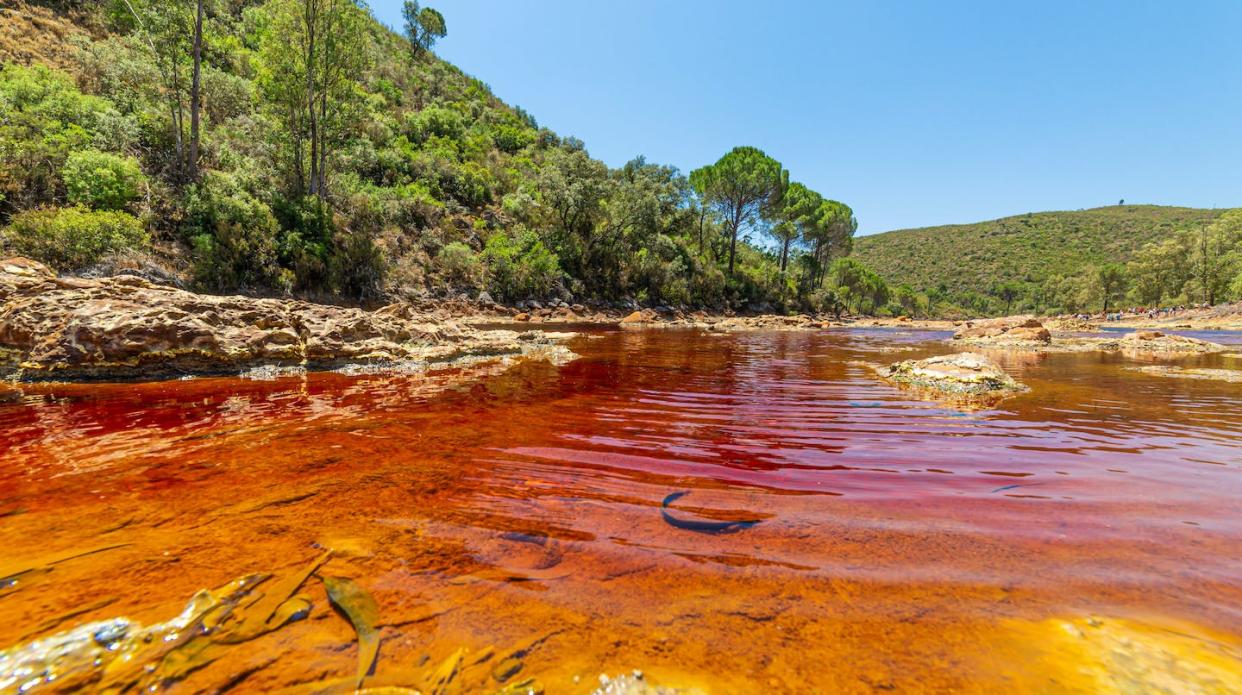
(1029, 334)
(126, 327)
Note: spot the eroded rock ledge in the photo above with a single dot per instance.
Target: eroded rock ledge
(128, 328)
(1027, 333)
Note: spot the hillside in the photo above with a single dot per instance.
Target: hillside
(1026, 248)
(192, 140)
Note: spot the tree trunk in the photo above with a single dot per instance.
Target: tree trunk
(310, 15)
(784, 255)
(196, 101)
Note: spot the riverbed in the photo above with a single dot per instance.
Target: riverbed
(1086, 531)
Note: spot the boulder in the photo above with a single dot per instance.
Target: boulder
(1155, 341)
(635, 317)
(1008, 329)
(523, 316)
(127, 327)
(964, 373)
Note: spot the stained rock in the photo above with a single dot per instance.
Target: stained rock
(126, 327)
(961, 374)
(1008, 329)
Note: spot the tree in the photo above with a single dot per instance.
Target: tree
(1211, 255)
(798, 214)
(859, 285)
(741, 188)
(1007, 292)
(830, 234)
(174, 37)
(313, 52)
(196, 93)
(1112, 281)
(423, 26)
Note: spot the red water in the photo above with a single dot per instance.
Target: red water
(901, 539)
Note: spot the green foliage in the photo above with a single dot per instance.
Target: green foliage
(332, 163)
(233, 235)
(460, 265)
(519, 265)
(45, 118)
(860, 287)
(1039, 250)
(73, 238)
(102, 180)
(742, 187)
(1194, 265)
(423, 26)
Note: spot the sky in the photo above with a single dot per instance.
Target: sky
(913, 113)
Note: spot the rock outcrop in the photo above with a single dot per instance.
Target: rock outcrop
(965, 379)
(1007, 330)
(126, 327)
(963, 372)
(1026, 333)
(1155, 341)
(1233, 376)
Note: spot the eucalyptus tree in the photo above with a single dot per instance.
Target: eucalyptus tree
(313, 53)
(743, 188)
(173, 31)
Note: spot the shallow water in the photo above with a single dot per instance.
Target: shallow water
(904, 545)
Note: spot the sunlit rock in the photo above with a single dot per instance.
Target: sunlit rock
(128, 327)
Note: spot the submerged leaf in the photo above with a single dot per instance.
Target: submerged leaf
(530, 686)
(259, 618)
(360, 607)
(444, 674)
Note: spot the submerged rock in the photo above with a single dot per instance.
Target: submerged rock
(127, 327)
(964, 376)
(1116, 655)
(635, 684)
(1227, 375)
(1155, 341)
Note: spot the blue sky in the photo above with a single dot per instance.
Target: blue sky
(914, 113)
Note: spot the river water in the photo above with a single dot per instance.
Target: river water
(1086, 532)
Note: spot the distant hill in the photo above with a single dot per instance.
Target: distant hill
(1024, 248)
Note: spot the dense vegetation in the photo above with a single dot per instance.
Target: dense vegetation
(1137, 255)
(299, 146)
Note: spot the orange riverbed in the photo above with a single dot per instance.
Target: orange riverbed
(1082, 536)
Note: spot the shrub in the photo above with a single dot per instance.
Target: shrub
(434, 121)
(519, 265)
(233, 235)
(460, 265)
(73, 238)
(101, 180)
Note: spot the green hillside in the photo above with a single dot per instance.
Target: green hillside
(301, 147)
(1030, 248)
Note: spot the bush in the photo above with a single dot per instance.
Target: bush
(233, 235)
(459, 265)
(73, 238)
(520, 265)
(435, 121)
(101, 180)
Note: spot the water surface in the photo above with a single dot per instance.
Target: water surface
(904, 545)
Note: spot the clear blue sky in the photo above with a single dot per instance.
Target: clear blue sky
(914, 113)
